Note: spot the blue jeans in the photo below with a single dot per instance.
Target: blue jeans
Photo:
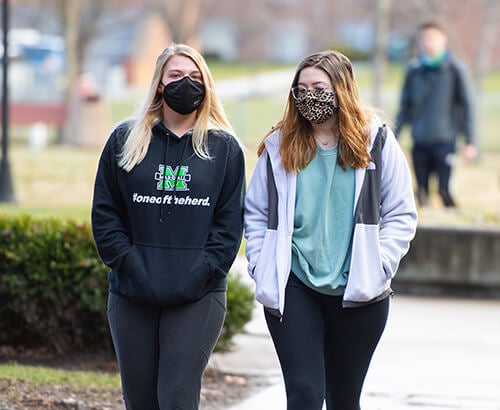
(162, 352)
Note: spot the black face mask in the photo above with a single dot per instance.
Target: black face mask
(184, 95)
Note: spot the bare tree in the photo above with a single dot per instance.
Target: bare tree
(381, 15)
(487, 40)
(407, 15)
(69, 16)
(183, 17)
(81, 21)
(78, 21)
(484, 52)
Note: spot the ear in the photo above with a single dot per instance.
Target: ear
(335, 101)
(160, 88)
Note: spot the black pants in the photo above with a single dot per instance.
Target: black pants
(429, 159)
(163, 352)
(324, 349)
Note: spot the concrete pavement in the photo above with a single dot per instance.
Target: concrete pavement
(435, 354)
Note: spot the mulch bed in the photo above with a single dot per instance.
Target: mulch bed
(219, 391)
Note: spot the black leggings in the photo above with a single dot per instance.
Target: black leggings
(163, 352)
(324, 349)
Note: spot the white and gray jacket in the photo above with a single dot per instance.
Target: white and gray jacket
(384, 213)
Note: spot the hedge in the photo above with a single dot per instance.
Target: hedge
(53, 288)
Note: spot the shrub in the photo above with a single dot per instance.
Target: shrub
(239, 311)
(52, 285)
(53, 288)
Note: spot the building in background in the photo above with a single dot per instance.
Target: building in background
(121, 57)
(37, 64)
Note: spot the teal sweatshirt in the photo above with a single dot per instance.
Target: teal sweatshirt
(323, 224)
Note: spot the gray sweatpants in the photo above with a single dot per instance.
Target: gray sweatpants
(162, 352)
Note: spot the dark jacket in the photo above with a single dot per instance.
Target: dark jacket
(436, 102)
(171, 227)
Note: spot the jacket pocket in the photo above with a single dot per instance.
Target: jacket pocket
(265, 272)
(367, 278)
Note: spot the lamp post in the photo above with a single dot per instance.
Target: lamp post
(6, 187)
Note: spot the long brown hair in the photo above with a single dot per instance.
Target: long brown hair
(298, 146)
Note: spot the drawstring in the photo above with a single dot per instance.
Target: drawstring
(165, 155)
(177, 171)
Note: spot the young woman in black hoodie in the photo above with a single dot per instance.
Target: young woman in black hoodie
(167, 220)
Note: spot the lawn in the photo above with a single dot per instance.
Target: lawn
(57, 180)
(48, 375)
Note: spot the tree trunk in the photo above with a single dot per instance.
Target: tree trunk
(381, 14)
(69, 14)
(484, 52)
(182, 18)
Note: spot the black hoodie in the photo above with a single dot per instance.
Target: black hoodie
(170, 228)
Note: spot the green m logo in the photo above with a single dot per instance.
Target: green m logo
(168, 177)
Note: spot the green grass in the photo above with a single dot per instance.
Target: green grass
(56, 181)
(48, 375)
(222, 71)
(122, 109)
(393, 76)
(492, 82)
(252, 118)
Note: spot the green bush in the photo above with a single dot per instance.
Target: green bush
(53, 288)
(239, 311)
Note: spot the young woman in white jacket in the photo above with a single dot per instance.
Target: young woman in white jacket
(329, 213)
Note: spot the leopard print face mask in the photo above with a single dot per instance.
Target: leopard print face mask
(318, 106)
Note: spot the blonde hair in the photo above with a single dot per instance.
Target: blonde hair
(210, 115)
(298, 146)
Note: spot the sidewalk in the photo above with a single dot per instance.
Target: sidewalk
(435, 354)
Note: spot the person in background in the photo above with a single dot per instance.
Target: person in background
(329, 213)
(436, 101)
(167, 218)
